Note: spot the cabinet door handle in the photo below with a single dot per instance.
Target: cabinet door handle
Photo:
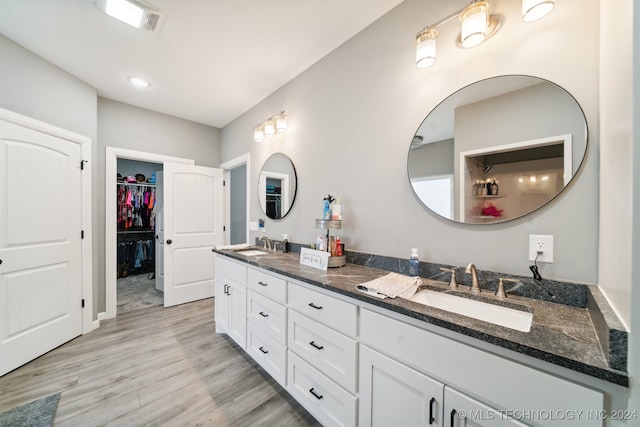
(317, 396)
(431, 402)
(314, 345)
(263, 284)
(169, 242)
(453, 417)
(228, 289)
(317, 307)
(263, 350)
(263, 314)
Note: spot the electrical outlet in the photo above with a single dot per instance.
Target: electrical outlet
(541, 243)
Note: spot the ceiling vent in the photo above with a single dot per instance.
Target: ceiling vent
(133, 12)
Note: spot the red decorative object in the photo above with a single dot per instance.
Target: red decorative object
(491, 210)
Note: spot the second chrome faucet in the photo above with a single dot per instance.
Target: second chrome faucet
(475, 285)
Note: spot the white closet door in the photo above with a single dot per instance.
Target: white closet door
(159, 276)
(40, 248)
(193, 225)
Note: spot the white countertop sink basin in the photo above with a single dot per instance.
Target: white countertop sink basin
(496, 314)
(251, 252)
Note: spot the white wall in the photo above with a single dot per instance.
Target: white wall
(353, 114)
(33, 87)
(634, 340)
(125, 126)
(616, 103)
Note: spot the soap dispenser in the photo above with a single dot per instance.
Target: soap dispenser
(414, 263)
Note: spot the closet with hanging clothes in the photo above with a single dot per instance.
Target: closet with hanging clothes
(136, 227)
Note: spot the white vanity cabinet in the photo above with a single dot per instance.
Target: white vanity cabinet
(492, 385)
(231, 300)
(463, 411)
(351, 363)
(267, 322)
(323, 355)
(392, 394)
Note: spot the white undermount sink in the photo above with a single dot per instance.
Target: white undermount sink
(251, 252)
(496, 314)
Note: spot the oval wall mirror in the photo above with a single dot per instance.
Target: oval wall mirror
(497, 149)
(277, 186)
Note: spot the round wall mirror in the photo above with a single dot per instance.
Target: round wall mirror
(277, 186)
(497, 149)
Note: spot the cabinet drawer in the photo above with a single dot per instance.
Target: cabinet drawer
(268, 353)
(337, 314)
(329, 351)
(268, 285)
(324, 399)
(267, 315)
(231, 269)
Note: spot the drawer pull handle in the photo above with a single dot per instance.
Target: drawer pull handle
(317, 307)
(263, 314)
(263, 350)
(453, 417)
(431, 402)
(314, 345)
(263, 284)
(317, 396)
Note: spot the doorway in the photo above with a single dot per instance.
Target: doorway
(113, 156)
(237, 208)
(137, 218)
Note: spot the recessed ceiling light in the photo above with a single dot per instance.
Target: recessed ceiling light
(138, 82)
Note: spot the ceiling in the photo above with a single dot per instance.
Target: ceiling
(210, 61)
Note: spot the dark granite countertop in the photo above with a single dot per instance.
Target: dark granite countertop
(560, 334)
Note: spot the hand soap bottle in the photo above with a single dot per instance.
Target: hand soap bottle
(414, 263)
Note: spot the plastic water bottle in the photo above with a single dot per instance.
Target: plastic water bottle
(414, 263)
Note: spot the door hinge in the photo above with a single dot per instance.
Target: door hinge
(82, 302)
(224, 228)
(82, 234)
(224, 183)
(82, 162)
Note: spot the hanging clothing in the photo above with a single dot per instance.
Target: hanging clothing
(136, 257)
(136, 207)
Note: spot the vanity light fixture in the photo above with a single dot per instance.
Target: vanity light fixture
(269, 129)
(274, 125)
(532, 10)
(477, 26)
(258, 133)
(281, 122)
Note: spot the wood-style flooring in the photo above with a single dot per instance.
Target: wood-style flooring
(155, 367)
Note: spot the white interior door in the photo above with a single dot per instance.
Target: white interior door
(159, 276)
(193, 225)
(40, 248)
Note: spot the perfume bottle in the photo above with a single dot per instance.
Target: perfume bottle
(494, 188)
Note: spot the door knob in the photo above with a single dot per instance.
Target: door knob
(169, 242)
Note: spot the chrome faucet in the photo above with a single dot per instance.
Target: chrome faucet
(268, 244)
(452, 283)
(475, 286)
(501, 293)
